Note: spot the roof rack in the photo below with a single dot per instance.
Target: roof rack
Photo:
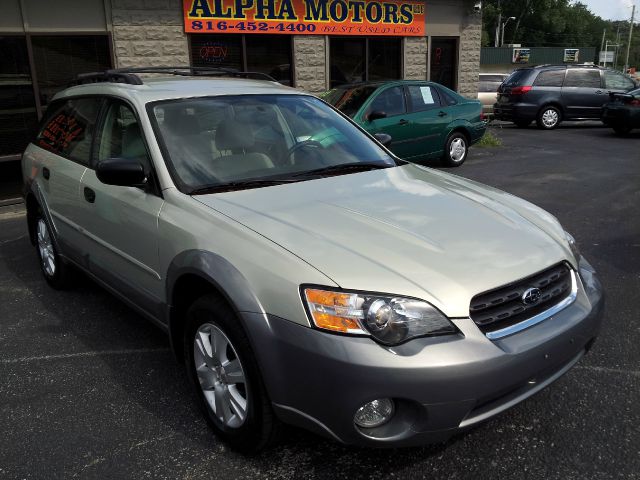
(130, 75)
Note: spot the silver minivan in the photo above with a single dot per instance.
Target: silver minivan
(302, 272)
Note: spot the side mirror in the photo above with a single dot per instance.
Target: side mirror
(121, 172)
(383, 138)
(375, 115)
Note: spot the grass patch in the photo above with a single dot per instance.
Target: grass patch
(489, 140)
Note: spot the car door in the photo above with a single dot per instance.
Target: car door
(67, 136)
(392, 104)
(582, 93)
(430, 118)
(121, 222)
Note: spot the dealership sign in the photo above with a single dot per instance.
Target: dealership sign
(306, 17)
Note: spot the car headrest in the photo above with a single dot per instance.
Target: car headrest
(181, 124)
(232, 135)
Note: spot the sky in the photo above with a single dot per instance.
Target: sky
(613, 9)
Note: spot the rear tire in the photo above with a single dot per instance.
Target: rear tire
(622, 130)
(455, 150)
(549, 118)
(225, 376)
(55, 270)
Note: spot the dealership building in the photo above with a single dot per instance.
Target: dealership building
(309, 44)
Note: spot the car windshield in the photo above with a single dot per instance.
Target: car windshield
(349, 99)
(248, 141)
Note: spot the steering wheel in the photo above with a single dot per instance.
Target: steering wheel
(303, 144)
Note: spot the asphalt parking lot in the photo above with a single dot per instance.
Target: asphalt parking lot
(89, 389)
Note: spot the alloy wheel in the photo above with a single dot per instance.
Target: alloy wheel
(457, 149)
(221, 375)
(550, 118)
(45, 247)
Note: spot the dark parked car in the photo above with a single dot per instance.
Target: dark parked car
(549, 94)
(424, 119)
(622, 113)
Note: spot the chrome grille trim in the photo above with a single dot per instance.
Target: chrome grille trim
(541, 317)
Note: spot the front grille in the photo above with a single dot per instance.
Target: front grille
(503, 307)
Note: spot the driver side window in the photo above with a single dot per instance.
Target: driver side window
(391, 101)
(121, 136)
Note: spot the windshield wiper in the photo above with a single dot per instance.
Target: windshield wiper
(344, 167)
(240, 185)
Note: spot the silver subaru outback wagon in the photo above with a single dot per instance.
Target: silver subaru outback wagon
(303, 273)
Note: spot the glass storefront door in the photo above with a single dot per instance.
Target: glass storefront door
(444, 62)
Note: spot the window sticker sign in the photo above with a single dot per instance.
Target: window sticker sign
(404, 18)
(427, 97)
(521, 55)
(571, 55)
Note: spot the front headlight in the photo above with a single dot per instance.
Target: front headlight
(573, 245)
(388, 319)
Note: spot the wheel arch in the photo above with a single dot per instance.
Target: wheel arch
(195, 273)
(551, 103)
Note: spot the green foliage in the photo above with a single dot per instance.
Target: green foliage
(556, 23)
(489, 140)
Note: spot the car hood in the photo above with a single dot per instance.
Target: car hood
(407, 230)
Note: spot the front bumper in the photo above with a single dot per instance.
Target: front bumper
(440, 385)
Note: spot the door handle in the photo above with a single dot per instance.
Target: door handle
(403, 122)
(442, 114)
(89, 195)
(46, 173)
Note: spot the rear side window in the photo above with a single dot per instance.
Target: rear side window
(423, 97)
(69, 129)
(550, 78)
(617, 81)
(582, 77)
(390, 101)
(517, 78)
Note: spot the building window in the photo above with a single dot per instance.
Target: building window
(357, 59)
(270, 54)
(18, 115)
(60, 58)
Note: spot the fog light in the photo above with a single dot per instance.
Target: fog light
(375, 413)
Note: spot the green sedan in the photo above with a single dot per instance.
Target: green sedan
(424, 119)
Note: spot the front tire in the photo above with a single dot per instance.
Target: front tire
(55, 271)
(225, 376)
(549, 118)
(455, 150)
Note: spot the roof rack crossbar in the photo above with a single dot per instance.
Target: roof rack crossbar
(191, 71)
(130, 75)
(108, 76)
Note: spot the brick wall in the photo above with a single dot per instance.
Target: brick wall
(309, 58)
(415, 58)
(148, 33)
(470, 55)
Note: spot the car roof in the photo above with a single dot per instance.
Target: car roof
(380, 83)
(171, 87)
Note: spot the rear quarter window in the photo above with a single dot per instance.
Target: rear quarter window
(69, 129)
(550, 78)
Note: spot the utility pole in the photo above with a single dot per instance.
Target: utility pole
(626, 62)
(602, 43)
(497, 40)
(615, 59)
